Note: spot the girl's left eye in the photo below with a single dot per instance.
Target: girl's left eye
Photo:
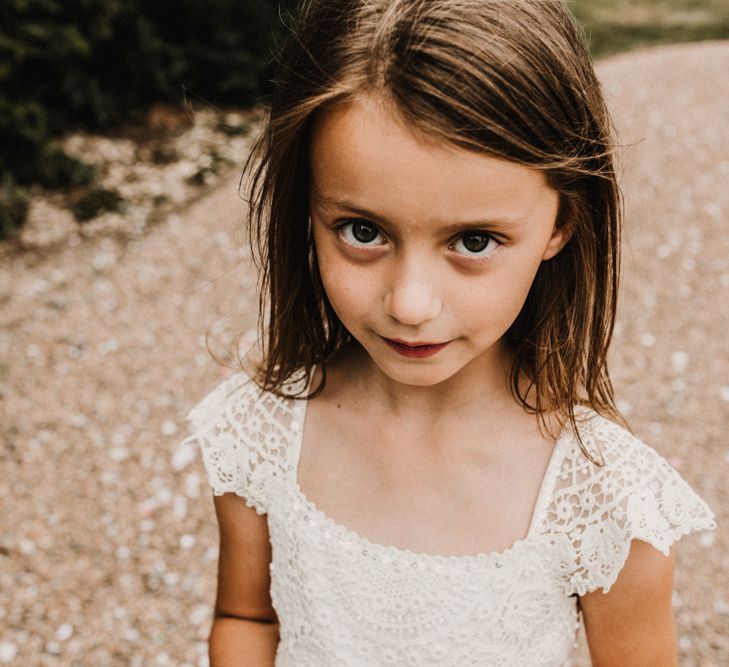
(360, 233)
(476, 244)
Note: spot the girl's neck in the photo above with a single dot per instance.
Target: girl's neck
(484, 384)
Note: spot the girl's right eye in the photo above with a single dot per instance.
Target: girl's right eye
(360, 234)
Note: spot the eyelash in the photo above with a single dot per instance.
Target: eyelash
(348, 225)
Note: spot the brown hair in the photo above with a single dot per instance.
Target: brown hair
(511, 79)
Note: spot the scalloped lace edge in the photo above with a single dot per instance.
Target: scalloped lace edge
(606, 583)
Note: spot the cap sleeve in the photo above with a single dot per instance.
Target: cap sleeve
(596, 512)
(239, 439)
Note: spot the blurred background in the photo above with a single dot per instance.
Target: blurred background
(123, 130)
(137, 69)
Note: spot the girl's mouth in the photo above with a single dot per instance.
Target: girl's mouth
(416, 350)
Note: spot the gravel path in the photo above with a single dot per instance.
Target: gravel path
(107, 533)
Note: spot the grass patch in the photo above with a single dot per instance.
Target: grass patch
(613, 26)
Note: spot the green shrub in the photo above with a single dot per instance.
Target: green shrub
(95, 64)
(13, 207)
(96, 201)
(613, 26)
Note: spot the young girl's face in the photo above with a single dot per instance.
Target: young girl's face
(426, 251)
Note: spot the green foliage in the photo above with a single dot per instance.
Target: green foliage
(13, 207)
(95, 201)
(95, 64)
(613, 26)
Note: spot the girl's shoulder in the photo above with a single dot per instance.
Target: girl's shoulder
(628, 491)
(609, 444)
(246, 436)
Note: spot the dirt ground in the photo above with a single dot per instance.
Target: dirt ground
(107, 533)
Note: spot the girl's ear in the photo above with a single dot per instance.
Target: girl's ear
(564, 228)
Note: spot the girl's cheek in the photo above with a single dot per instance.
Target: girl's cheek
(334, 274)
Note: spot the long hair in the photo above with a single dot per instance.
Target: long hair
(511, 80)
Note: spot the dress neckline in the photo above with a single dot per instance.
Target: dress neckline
(388, 553)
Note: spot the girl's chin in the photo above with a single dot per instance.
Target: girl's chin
(416, 373)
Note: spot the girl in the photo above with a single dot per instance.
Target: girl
(423, 466)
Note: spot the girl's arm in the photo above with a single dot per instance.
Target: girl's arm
(632, 625)
(245, 628)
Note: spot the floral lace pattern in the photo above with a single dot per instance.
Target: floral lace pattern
(636, 495)
(343, 600)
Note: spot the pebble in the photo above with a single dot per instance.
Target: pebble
(64, 632)
(27, 547)
(707, 539)
(118, 454)
(721, 607)
(131, 634)
(75, 351)
(179, 507)
(8, 651)
(168, 428)
(186, 541)
(656, 428)
(78, 420)
(676, 461)
(163, 495)
(184, 455)
(713, 209)
(53, 647)
(109, 477)
(679, 361)
(200, 614)
(37, 288)
(647, 340)
(148, 506)
(103, 260)
(120, 438)
(108, 346)
(192, 485)
(724, 393)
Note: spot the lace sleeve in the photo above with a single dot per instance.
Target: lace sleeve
(598, 511)
(221, 426)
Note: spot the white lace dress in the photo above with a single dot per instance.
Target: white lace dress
(342, 600)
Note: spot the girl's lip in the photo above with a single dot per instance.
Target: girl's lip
(416, 349)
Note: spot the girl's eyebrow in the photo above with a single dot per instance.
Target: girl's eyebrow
(484, 223)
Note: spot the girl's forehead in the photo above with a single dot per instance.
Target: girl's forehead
(364, 153)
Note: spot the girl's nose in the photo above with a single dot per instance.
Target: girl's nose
(412, 299)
